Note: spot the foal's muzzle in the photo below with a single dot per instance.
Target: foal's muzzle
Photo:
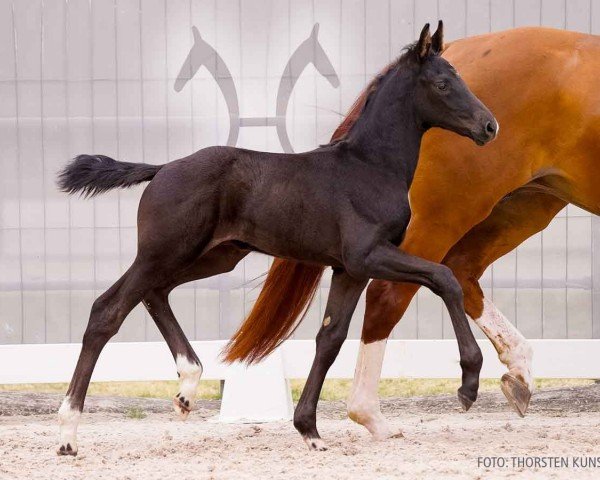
(486, 132)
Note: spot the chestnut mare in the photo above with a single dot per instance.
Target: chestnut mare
(343, 205)
(542, 86)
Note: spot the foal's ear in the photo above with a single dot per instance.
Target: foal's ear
(424, 44)
(437, 41)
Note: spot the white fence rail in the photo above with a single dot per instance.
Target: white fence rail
(124, 361)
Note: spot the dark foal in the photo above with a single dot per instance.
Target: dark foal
(344, 205)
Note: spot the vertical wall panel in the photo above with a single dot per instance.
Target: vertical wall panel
(11, 291)
(553, 13)
(527, 12)
(554, 277)
(502, 14)
(529, 287)
(595, 29)
(454, 15)
(478, 17)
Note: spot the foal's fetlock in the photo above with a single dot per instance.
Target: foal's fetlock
(189, 375)
(68, 419)
(307, 427)
(316, 444)
(471, 366)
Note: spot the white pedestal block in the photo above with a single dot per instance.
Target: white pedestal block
(259, 393)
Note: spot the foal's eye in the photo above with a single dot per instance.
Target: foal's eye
(442, 86)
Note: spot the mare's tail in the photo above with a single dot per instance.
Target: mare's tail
(95, 174)
(289, 288)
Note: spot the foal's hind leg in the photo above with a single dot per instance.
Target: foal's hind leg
(107, 315)
(343, 297)
(221, 259)
(189, 368)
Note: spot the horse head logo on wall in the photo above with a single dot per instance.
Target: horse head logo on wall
(204, 54)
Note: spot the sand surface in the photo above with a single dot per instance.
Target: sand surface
(437, 441)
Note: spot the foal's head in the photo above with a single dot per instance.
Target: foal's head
(424, 87)
(442, 98)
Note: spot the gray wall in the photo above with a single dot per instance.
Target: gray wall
(79, 76)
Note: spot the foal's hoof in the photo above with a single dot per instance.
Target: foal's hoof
(182, 406)
(67, 450)
(315, 444)
(464, 401)
(516, 392)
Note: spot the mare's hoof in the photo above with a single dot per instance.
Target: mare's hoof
(516, 392)
(464, 401)
(67, 450)
(315, 444)
(181, 405)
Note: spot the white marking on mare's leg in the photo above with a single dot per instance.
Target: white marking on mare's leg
(189, 376)
(513, 349)
(363, 404)
(68, 419)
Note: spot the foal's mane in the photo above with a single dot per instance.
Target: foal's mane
(358, 106)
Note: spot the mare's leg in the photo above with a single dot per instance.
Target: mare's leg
(516, 218)
(107, 315)
(386, 262)
(343, 297)
(221, 259)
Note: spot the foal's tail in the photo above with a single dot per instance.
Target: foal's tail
(289, 288)
(95, 174)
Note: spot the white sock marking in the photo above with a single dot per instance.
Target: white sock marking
(189, 376)
(68, 419)
(363, 404)
(513, 349)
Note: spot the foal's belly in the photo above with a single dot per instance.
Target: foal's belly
(308, 246)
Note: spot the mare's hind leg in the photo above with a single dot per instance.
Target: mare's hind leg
(221, 259)
(343, 297)
(519, 216)
(106, 317)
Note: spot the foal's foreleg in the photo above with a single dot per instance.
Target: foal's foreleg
(343, 297)
(389, 263)
(189, 368)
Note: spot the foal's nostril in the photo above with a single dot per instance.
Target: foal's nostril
(490, 128)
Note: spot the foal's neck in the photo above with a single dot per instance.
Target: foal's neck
(388, 134)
